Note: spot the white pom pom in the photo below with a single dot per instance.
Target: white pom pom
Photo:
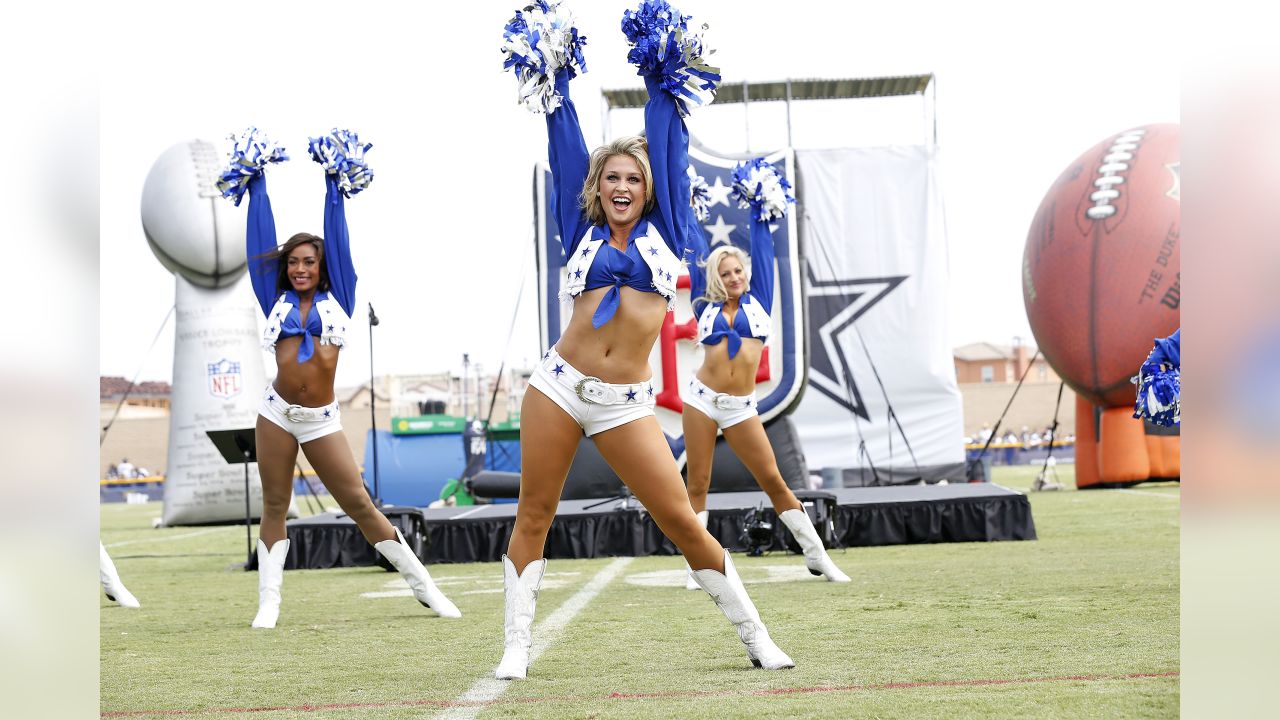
(537, 43)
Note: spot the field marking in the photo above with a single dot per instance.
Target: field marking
(677, 577)
(478, 705)
(167, 538)
(1174, 496)
(487, 689)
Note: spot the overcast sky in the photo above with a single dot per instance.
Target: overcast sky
(441, 240)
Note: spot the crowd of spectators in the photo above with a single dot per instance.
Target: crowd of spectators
(125, 470)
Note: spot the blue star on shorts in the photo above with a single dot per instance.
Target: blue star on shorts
(558, 370)
(631, 395)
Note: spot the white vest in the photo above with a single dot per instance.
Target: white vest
(334, 322)
(664, 265)
(757, 319)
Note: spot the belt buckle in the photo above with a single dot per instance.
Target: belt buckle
(722, 406)
(295, 413)
(581, 390)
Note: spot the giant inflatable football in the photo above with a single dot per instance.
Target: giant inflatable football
(1100, 281)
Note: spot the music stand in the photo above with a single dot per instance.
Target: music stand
(238, 446)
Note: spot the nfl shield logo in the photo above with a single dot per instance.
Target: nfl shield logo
(782, 371)
(224, 379)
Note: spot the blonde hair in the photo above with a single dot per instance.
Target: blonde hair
(634, 147)
(715, 286)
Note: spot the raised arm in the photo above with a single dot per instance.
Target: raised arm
(346, 173)
(260, 239)
(765, 193)
(762, 258)
(698, 252)
(669, 161)
(1167, 351)
(337, 247)
(567, 153)
(249, 158)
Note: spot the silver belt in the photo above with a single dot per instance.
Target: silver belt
(298, 413)
(301, 413)
(595, 391)
(725, 401)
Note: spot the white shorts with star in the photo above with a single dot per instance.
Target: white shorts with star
(595, 405)
(726, 410)
(303, 423)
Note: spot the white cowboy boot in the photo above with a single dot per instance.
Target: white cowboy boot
(111, 583)
(726, 589)
(522, 598)
(815, 555)
(689, 583)
(270, 578)
(424, 588)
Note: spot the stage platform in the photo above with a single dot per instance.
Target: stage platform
(860, 517)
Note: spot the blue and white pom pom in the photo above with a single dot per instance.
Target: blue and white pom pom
(700, 196)
(664, 48)
(249, 157)
(341, 154)
(538, 42)
(759, 186)
(1159, 394)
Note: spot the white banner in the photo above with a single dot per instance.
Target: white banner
(875, 253)
(218, 379)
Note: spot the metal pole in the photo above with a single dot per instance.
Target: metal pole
(604, 119)
(789, 142)
(933, 107)
(466, 362)
(248, 519)
(373, 418)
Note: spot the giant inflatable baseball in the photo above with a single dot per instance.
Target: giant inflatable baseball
(1100, 281)
(217, 363)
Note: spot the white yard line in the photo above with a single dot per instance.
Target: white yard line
(1171, 496)
(488, 689)
(167, 538)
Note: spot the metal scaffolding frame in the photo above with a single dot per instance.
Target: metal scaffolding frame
(926, 86)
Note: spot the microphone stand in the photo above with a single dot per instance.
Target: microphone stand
(373, 419)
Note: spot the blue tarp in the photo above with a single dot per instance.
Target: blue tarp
(413, 469)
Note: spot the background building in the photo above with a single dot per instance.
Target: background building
(987, 374)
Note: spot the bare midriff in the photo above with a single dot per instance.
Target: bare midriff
(618, 351)
(736, 376)
(311, 383)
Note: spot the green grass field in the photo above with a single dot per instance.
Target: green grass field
(1080, 623)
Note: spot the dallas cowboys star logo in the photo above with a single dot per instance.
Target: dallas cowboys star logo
(326, 413)
(631, 395)
(558, 370)
(720, 231)
(835, 305)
